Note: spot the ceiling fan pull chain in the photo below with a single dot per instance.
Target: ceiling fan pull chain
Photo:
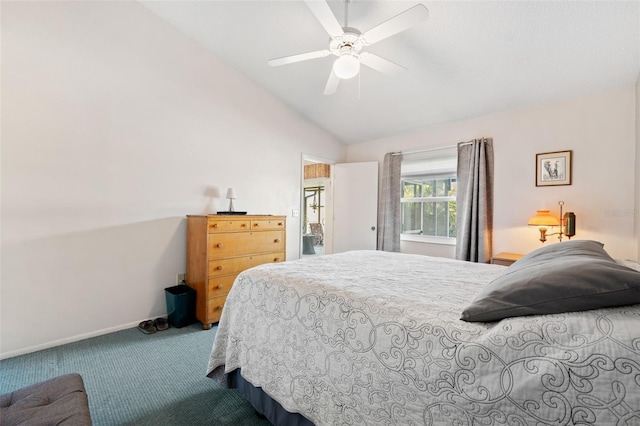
(346, 12)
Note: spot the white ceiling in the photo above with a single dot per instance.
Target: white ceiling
(469, 59)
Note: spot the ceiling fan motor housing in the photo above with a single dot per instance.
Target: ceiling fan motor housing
(349, 42)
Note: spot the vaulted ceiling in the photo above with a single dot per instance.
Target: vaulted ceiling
(468, 59)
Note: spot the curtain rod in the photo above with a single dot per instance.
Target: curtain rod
(431, 149)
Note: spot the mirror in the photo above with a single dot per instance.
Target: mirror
(315, 205)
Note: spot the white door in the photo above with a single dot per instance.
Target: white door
(355, 206)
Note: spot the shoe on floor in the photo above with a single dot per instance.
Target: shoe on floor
(161, 324)
(147, 327)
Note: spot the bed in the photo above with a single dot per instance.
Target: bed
(376, 338)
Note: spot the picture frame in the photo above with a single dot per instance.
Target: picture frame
(553, 168)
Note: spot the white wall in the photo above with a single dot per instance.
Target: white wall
(599, 129)
(114, 127)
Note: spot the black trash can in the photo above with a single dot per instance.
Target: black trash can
(181, 305)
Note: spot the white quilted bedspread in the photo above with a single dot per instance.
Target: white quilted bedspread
(374, 338)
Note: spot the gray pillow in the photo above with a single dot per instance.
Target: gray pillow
(564, 277)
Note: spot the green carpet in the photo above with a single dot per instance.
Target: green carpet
(134, 378)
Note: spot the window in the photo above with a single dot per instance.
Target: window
(428, 204)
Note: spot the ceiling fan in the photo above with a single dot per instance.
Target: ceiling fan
(347, 43)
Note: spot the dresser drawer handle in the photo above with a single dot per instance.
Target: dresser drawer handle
(243, 225)
(276, 259)
(280, 224)
(219, 245)
(218, 287)
(218, 308)
(215, 225)
(277, 240)
(255, 225)
(219, 268)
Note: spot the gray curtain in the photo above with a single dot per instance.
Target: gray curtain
(474, 201)
(389, 204)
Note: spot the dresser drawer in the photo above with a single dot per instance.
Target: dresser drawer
(214, 308)
(244, 243)
(236, 265)
(267, 224)
(220, 286)
(226, 225)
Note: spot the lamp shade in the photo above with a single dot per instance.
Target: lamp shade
(346, 66)
(544, 218)
(231, 194)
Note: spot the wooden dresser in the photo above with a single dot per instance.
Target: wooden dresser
(219, 247)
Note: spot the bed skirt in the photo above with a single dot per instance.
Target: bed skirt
(263, 403)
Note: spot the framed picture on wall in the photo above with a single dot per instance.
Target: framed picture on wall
(553, 168)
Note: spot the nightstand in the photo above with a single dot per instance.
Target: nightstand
(505, 259)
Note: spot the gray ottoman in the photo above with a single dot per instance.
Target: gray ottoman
(58, 401)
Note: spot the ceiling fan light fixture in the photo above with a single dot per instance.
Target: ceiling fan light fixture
(346, 66)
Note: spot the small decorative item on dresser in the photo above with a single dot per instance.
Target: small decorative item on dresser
(231, 195)
(505, 259)
(220, 247)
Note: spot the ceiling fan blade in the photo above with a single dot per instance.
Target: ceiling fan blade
(332, 84)
(323, 13)
(385, 66)
(297, 58)
(398, 23)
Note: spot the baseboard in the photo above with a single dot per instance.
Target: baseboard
(66, 340)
